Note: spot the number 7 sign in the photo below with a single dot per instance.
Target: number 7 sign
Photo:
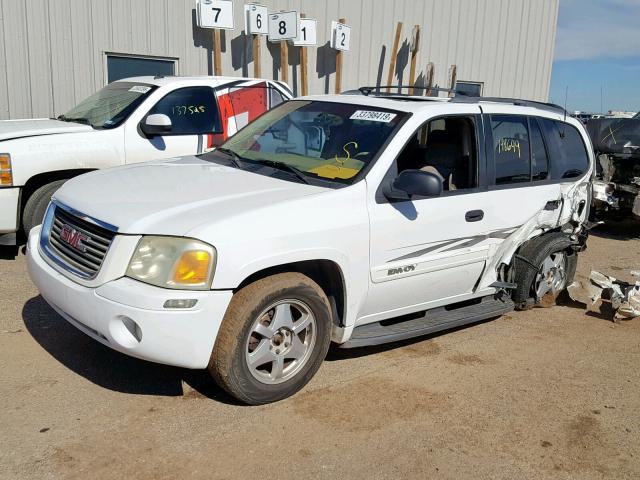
(215, 14)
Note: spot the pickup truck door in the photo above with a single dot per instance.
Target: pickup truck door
(194, 115)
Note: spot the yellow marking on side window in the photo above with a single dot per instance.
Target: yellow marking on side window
(509, 145)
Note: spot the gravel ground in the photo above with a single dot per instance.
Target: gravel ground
(547, 393)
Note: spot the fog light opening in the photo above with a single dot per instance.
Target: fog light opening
(133, 327)
(180, 303)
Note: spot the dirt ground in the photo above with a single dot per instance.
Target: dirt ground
(547, 393)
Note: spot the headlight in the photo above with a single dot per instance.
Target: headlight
(173, 262)
(6, 176)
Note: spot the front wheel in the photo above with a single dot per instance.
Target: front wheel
(273, 338)
(544, 267)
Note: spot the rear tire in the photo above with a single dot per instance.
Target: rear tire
(36, 205)
(545, 266)
(273, 338)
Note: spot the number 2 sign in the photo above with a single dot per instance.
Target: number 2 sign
(283, 26)
(340, 36)
(215, 14)
(256, 19)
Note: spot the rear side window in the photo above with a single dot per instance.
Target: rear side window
(568, 152)
(539, 156)
(192, 110)
(511, 149)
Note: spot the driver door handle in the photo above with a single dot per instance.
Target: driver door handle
(474, 215)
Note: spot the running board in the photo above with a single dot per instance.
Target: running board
(430, 321)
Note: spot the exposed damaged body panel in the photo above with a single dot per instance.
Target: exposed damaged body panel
(617, 181)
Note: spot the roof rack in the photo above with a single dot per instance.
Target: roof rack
(512, 101)
(377, 90)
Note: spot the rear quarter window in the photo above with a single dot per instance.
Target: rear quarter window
(569, 157)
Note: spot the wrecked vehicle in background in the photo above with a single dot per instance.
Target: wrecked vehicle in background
(616, 187)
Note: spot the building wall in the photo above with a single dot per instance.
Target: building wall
(53, 51)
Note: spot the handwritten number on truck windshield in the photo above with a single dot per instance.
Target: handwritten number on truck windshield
(179, 110)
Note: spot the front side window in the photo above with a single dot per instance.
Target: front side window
(192, 110)
(569, 154)
(511, 149)
(445, 147)
(109, 107)
(332, 141)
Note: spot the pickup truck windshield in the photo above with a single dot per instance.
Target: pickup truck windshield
(326, 140)
(109, 107)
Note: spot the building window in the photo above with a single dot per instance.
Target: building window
(472, 89)
(124, 66)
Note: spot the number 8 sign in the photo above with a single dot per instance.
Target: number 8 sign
(283, 26)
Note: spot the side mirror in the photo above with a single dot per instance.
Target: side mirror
(412, 183)
(156, 124)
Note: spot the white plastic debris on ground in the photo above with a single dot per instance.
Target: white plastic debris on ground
(623, 296)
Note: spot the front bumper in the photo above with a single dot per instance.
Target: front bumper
(9, 200)
(129, 316)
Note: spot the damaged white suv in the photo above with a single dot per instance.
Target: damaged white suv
(358, 219)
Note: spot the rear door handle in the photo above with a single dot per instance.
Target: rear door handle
(474, 215)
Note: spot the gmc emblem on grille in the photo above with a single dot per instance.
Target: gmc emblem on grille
(73, 237)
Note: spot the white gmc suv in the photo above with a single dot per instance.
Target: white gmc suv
(128, 121)
(358, 219)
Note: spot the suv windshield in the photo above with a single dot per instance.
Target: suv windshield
(325, 140)
(109, 107)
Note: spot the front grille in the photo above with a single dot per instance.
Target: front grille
(94, 241)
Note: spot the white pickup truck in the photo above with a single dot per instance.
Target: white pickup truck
(357, 219)
(128, 121)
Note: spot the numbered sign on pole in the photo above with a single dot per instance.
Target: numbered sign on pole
(283, 26)
(306, 33)
(340, 36)
(215, 14)
(256, 19)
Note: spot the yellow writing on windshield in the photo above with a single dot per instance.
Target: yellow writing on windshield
(509, 145)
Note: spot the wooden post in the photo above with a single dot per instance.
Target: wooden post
(217, 57)
(284, 61)
(257, 63)
(339, 55)
(429, 79)
(394, 55)
(304, 81)
(453, 73)
(414, 54)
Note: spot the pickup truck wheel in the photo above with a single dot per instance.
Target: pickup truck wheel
(273, 338)
(544, 267)
(36, 205)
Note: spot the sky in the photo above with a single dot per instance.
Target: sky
(597, 47)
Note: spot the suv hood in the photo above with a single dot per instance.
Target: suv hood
(175, 196)
(10, 129)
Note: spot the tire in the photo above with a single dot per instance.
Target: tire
(262, 305)
(36, 205)
(530, 263)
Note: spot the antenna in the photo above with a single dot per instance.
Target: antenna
(566, 94)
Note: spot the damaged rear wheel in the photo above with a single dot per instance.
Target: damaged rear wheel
(544, 267)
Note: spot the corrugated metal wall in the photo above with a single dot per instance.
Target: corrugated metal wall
(53, 51)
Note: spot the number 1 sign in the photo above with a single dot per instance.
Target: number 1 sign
(340, 36)
(306, 33)
(215, 14)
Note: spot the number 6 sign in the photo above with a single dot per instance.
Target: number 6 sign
(256, 19)
(283, 26)
(340, 36)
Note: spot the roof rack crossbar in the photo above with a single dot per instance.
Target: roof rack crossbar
(513, 101)
(376, 90)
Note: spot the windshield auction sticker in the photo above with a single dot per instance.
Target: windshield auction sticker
(140, 89)
(384, 117)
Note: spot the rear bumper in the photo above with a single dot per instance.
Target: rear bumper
(9, 201)
(129, 316)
